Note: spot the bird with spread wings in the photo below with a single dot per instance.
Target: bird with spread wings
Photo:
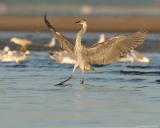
(100, 53)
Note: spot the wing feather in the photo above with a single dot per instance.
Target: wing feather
(113, 48)
(65, 43)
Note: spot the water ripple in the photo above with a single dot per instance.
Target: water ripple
(20, 66)
(137, 80)
(157, 81)
(143, 67)
(150, 73)
(142, 86)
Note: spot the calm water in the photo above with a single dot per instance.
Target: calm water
(117, 95)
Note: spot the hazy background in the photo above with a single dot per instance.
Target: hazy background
(113, 16)
(80, 7)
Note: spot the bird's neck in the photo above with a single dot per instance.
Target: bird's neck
(80, 35)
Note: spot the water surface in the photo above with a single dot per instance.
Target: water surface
(117, 95)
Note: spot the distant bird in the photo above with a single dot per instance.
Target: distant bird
(102, 53)
(23, 43)
(5, 50)
(101, 38)
(52, 43)
(8, 55)
(62, 57)
(13, 57)
(139, 57)
(126, 58)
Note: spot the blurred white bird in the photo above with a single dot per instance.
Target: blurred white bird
(13, 57)
(51, 44)
(139, 57)
(62, 57)
(5, 50)
(23, 43)
(8, 55)
(101, 38)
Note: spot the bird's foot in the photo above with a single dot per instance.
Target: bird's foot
(61, 84)
(83, 84)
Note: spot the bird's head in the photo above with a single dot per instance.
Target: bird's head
(83, 21)
(13, 39)
(6, 49)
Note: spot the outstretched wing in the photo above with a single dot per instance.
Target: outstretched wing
(113, 48)
(65, 43)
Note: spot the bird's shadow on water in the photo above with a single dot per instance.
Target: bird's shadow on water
(98, 87)
(106, 83)
(74, 86)
(43, 89)
(62, 85)
(157, 81)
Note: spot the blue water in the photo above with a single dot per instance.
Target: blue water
(116, 95)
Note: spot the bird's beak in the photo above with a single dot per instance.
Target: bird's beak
(78, 22)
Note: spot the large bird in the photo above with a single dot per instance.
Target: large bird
(101, 53)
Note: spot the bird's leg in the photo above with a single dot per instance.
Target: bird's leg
(82, 80)
(61, 83)
(69, 77)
